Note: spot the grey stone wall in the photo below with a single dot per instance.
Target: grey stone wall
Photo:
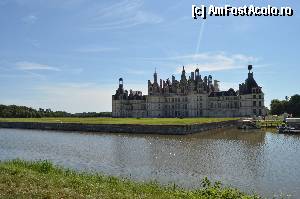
(120, 128)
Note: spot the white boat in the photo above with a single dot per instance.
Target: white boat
(292, 125)
(247, 124)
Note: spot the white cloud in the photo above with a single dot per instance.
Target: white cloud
(30, 66)
(206, 62)
(216, 61)
(124, 14)
(147, 17)
(99, 15)
(30, 19)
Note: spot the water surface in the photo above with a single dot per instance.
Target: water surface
(255, 161)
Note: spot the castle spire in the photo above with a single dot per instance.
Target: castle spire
(183, 77)
(155, 76)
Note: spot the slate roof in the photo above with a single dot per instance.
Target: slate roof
(230, 92)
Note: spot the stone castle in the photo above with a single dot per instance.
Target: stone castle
(190, 97)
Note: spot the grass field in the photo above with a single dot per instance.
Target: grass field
(147, 121)
(21, 179)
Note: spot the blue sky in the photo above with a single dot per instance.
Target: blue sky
(68, 55)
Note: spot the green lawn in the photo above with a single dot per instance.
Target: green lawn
(21, 179)
(148, 121)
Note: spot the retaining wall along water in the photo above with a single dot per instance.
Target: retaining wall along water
(121, 128)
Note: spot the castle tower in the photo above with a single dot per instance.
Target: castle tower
(251, 97)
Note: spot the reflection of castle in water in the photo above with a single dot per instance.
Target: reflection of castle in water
(219, 154)
(251, 137)
(192, 97)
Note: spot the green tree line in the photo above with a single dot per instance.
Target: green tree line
(14, 111)
(289, 105)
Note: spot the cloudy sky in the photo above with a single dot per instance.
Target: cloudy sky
(68, 55)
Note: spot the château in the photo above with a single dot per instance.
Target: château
(190, 97)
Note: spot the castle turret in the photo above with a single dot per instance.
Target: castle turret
(205, 80)
(121, 83)
(209, 80)
(249, 68)
(173, 79)
(197, 73)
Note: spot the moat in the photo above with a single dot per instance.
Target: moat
(255, 161)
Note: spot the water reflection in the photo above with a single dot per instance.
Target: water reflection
(259, 161)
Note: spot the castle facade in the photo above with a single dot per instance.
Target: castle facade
(190, 97)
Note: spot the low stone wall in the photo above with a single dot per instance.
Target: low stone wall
(120, 128)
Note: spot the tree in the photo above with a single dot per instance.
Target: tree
(289, 105)
(276, 107)
(14, 111)
(294, 105)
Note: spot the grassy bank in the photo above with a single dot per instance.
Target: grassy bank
(21, 179)
(269, 123)
(147, 121)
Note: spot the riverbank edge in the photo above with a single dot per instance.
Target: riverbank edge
(42, 179)
(122, 128)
